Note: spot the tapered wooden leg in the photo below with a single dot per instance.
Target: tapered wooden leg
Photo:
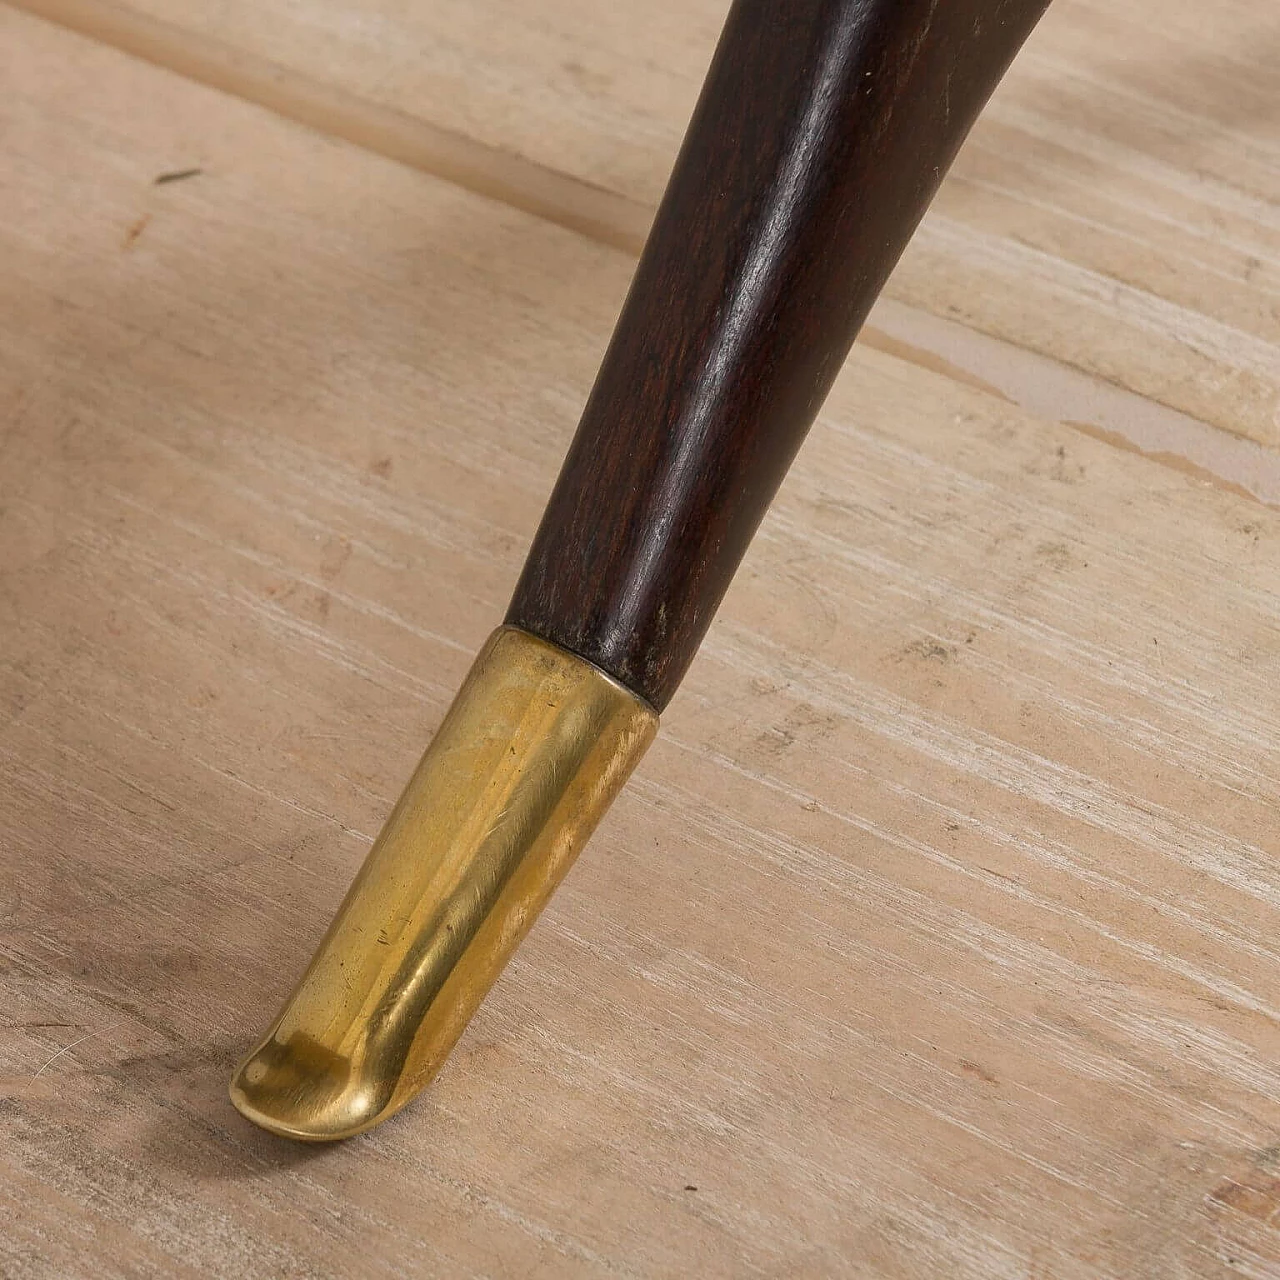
(822, 132)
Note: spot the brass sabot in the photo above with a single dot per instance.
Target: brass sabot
(530, 755)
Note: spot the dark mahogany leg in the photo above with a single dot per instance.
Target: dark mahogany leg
(822, 132)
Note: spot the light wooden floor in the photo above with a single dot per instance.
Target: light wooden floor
(937, 936)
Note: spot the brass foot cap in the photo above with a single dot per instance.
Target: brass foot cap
(532, 752)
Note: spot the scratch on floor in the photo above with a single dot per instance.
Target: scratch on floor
(66, 1048)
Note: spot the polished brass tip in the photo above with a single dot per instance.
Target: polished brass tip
(532, 752)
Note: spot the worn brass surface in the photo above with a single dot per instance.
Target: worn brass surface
(532, 752)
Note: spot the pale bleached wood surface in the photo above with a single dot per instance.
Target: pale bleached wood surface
(936, 936)
(1115, 208)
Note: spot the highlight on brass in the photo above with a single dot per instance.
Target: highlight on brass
(532, 752)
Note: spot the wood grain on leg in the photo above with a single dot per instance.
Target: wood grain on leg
(821, 135)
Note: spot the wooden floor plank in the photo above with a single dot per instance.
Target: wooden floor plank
(936, 935)
(1115, 209)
